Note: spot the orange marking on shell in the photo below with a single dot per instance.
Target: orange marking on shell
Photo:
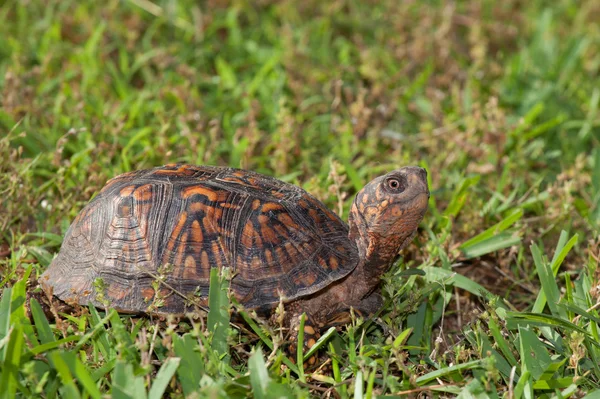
(271, 206)
(216, 250)
(143, 193)
(239, 173)
(182, 220)
(204, 261)
(306, 279)
(147, 293)
(196, 207)
(217, 213)
(126, 191)
(229, 205)
(333, 263)
(277, 194)
(196, 232)
(321, 262)
(125, 210)
(247, 235)
(268, 256)
(234, 180)
(283, 257)
(281, 230)
(262, 219)
(189, 271)
(286, 220)
(252, 181)
(309, 279)
(184, 170)
(116, 293)
(181, 249)
(258, 242)
(165, 172)
(314, 215)
(291, 249)
(269, 235)
(256, 263)
(199, 190)
(256, 204)
(143, 209)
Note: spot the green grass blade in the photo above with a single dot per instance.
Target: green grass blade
(4, 318)
(257, 330)
(448, 370)
(9, 380)
(515, 319)
(534, 355)
(85, 379)
(502, 343)
(436, 275)
(499, 227)
(68, 381)
(43, 348)
(320, 342)
(549, 286)
(163, 377)
(524, 386)
(218, 314)
(126, 385)
(562, 250)
(460, 195)
(358, 385)
(99, 333)
(341, 389)
(102, 337)
(259, 375)
(300, 347)
(488, 245)
(41, 323)
(191, 366)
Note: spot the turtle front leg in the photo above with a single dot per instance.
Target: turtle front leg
(342, 314)
(369, 305)
(310, 335)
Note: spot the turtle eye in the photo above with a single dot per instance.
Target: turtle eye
(395, 185)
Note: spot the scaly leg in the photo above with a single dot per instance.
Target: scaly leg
(311, 336)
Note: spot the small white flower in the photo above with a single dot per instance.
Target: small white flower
(46, 205)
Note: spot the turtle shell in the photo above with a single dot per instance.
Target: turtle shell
(148, 240)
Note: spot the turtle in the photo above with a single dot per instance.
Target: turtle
(146, 243)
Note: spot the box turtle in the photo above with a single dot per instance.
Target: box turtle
(172, 224)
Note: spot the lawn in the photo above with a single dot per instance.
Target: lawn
(497, 296)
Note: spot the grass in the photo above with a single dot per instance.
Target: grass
(498, 296)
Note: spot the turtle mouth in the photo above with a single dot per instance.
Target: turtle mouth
(422, 200)
(419, 200)
(415, 198)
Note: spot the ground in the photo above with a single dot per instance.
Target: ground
(497, 296)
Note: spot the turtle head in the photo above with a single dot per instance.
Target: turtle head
(385, 215)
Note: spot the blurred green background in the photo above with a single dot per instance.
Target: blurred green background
(498, 100)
